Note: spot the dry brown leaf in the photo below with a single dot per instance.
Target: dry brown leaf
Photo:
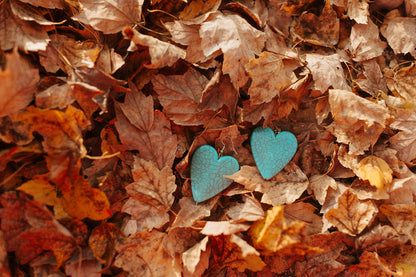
(284, 188)
(400, 34)
(357, 121)
(197, 11)
(306, 213)
(161, 53)
(109, 16)
(150, 195)
(402, 83)
(18, 83)
(358, 11)
(371, 264)
(270, 75)
(236, 253)
(157, 144)
(236, 38)
(143, 254)
(322, 30)
(320, 185)
(352, 215)
(326, 72)
(402, 217)
(216, 228)
(193, 257)
(250, 210)
(25, 35)
(373, 81)
(191, 211)
(381, 237)
(365, 42)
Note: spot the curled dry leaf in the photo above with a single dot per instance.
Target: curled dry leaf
(376, 171)
(284, 188)
(216, 228)
(358, 11)
(161, 53)
(150, 195)
(400, 34)
(357, 122)
(194, 257)
(250, 210)
(402, 217)
(18, 83)
(304, 212)
(191, 211)
(352, 215)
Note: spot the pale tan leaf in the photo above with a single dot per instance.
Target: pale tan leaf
(192, 257)
(109, 16)
(376, 171)
(236, 38)
(161, 53)
(284, 188)
(365, 42)
(319, 185)
(18, 82)
(401, 35)
(374, 82)
(403, 218)
(250, 210)
(358, 11)
(50, 4)
(25, 35)
(56, 96)
(269, 77)
(216, 228)
(352, 215)
(326, 72)
(305, 213)
(379, 238)
(357, 121)
(191, 211)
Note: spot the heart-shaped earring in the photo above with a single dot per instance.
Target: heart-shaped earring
(272, 152)
(207, 172)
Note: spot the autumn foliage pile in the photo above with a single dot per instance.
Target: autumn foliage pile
(103, 102)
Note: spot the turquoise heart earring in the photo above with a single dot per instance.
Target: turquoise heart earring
(272, 152)
(207, 171)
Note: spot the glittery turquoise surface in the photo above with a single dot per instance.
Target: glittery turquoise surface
(272, 152)
(207, 171)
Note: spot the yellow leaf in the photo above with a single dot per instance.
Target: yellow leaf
(40, 189)
(376, 171)
(272, 233)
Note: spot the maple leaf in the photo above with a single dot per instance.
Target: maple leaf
(18, 83)
(151, 194)
(157, 143)
(238, 41)
(352, 215)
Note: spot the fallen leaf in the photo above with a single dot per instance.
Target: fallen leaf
(376, 171)
(284, 188)
(358, 11)
(103, 240)
(380, 238)
(18, 83)
(399, 32)
(306, 213)
(161, 53)
(143, 254)
(402, 217)
(371, 264)
(216, 228)
(249, 210)
(150, 195)
(238, 41)
(191, 211)
(352, 216)
(109, 16)
(194, 260)
(402, 83)
(357, 121)
(273, 233)
(365, 42)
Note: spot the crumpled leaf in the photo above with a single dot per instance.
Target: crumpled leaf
(216, 228)
(191, 211)
(25, 35)
(358, 11)
(161, 53)
(109, 16)
(402, 217)
(194, 257)
(371, 264)
(357, 121)
(284, 188)
(150, 195)
(18, 83)
(400, 34)
(365, 42)
(376, 171)
(103, 240)
(352, 215)
(238, 41)
(250, 210)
